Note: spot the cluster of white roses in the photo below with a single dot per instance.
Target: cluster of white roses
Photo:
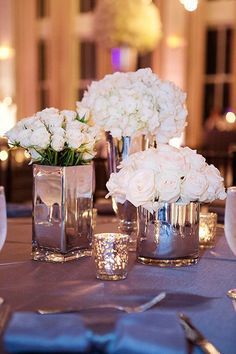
(137, 102)
(56, 137)
(166, 174)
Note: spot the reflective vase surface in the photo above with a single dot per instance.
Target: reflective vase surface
(169, 237)
(62, 212)
(118, 150)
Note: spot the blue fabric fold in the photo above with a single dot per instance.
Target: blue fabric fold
(150, 332)
(32, 333)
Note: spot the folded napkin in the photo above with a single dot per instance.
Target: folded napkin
(29, 332)
(149, 332)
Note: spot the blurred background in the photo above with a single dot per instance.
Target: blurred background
(51, 50)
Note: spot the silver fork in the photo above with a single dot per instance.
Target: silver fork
(129, 309)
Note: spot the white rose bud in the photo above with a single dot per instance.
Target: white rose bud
(57, 142)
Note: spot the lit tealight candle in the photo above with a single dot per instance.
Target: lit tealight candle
(207, 229)
(110, 253)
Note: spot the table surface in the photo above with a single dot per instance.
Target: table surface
(198, 291)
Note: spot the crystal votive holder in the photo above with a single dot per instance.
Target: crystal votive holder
(207, 230)
(110, 254)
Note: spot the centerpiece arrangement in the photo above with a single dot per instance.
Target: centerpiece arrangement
(127, 105)
(127, 27)
(167, 184)
(61, 146)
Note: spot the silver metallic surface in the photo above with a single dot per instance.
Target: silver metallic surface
(118, 150)
(170, 236)
(62, 212)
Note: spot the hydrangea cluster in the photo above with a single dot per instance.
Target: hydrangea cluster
(133, 23)
(166, 174)
(137, 102)
(57, 138)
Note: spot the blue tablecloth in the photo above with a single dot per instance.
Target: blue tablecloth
(198, 291)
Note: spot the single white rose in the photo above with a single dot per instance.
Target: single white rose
(40, 138)
(168, 186)
(24, 138)
(141, 188)
(193, 186)
(68, 115)
(58, 142)
(194, 160)
(215, 188)
(74, 138)
(115, 189)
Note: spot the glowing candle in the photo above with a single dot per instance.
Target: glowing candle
(207, 229)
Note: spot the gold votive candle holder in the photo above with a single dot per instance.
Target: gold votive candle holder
(110, 254)
(207, 230)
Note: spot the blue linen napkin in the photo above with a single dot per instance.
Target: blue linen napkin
(150, 332)
(29, 332)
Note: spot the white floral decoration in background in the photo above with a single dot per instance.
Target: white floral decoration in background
(166, 174)
(133, 23)
(137, 102)
(53, 137)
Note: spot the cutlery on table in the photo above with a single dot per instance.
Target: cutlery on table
(129, 309)
(196, 337)
(232, 295)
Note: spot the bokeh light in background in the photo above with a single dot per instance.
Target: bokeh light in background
(190, 5)
(230, 117)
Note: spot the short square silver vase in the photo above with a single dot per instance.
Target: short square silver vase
(169, 237)
(62, 212)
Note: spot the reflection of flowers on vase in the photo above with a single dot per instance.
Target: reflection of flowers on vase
(166, 174)
(133, 23)
(137, 102)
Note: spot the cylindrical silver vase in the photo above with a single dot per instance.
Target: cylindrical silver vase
(118, 150)
(169, 237)
(62, 212)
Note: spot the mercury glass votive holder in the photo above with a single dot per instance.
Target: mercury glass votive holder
(110, 254)
(207, 230)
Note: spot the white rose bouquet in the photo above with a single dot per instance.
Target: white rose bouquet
(56, 138)
(137, 102)
(165, 174)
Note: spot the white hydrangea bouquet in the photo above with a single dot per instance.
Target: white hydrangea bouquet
(137, 102)
(56, 138)
(133, 23)
(166, 174)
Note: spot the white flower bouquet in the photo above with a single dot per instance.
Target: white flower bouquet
(56, 138)
(133, 23)
(137, 102)
(165, 174)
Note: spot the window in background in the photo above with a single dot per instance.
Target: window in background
(86, 5)
(42, 8)
(218, 70)
(144, 60)
(43, 92)
(87, 65)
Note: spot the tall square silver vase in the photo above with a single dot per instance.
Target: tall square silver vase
(62, 212)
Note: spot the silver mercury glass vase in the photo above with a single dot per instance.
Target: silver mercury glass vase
(62, 212)
(118, 150)
(169, 237)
